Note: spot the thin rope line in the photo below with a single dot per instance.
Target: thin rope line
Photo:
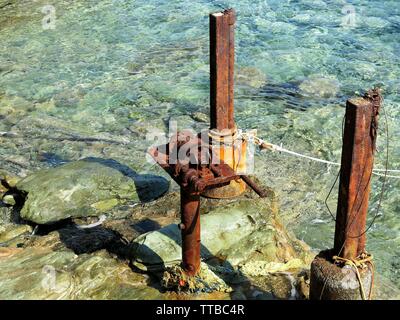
(277, 148)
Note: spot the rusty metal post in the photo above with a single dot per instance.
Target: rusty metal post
(355, 176)
(194, 172)
(222, 60)
(329, 279)
(223, 130)
(190, 230)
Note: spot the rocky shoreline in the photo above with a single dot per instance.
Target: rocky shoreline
(62, 236)
(126, 255)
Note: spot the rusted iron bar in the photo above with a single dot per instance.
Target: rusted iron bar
(222, 60)
(190, 230)
(256, 188)
(358, 150)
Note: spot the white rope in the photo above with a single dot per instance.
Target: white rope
(275, 147)
(281, 149)
(92, 225)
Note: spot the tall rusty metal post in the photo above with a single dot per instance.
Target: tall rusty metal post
(222, 123)
(355, 175)
(328, 279)
(222, 64)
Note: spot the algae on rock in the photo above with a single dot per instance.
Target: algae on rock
(88, 187)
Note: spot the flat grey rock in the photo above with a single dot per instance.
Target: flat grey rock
(89, 187)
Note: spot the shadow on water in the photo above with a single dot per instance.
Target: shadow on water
(146, 225)
(93, 239)
(86, 241)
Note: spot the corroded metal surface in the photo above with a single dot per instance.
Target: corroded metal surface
(190, 230)
(189, 160)
(190, 163)
(222, 59)
(222, 123)
(196, 163)
(358, 150)
(261, 192)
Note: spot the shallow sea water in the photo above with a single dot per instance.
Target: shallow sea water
(109, 72)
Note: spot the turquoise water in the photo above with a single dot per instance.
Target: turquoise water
(110, 71)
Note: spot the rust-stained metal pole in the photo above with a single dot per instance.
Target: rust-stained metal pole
(222, 60)
(223, 132)
(256, 188)
(356, 169)
(190, 230)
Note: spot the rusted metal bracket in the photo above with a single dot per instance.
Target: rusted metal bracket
(189, 161)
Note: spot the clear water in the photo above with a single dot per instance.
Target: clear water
(111, 70)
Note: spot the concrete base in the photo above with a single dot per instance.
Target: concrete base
(331, 282)
(234, 189)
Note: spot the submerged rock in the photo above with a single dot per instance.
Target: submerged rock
(41, 273)
(11, 231)
(5, 214)
(3, 190)
(250, 76)
(319, 86)
(7, 181)
(84, 188)
(9, 200)
(200, 117)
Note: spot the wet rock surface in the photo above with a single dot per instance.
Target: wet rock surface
(41, 273)
(236, 232)
(71, 260)
(83, 188)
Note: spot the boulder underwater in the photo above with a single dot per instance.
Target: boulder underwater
(84, 188)
(41, 273)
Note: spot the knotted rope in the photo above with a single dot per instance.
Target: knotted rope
(360, 262)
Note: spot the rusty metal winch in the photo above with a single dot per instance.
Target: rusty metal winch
(190, 161)
(207, 163)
